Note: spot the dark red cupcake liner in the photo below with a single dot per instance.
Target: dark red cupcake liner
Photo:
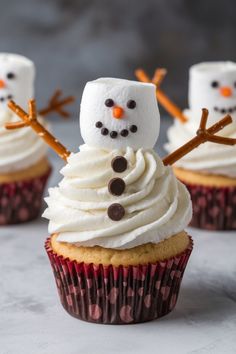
(21, 201)
(214, 208)
(118, 295)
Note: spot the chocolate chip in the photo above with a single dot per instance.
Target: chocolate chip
(133, 128)
(131, 104)
(116, 186)
(214, 84)
(230, 110)
(98, 124)
(119, 164)
(124, 132)
(216, 109)
(10, 75)
(116, 212)
(2, 99)
(109, 102)
(223, 110)
(113, 134)
(104, 131)
(9, 97)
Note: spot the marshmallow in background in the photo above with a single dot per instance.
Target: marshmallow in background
(212, 85)
(16, 80)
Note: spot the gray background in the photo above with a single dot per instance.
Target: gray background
(73, 41)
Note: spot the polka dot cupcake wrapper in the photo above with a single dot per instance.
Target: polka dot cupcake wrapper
(213, 208)
(21, 201)
(118, 295)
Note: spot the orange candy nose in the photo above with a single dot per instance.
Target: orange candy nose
(2, 84)
(226, 91)
(118, 112)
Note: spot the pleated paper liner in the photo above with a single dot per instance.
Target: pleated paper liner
(118, 295)
(214, 208)
(21, 201)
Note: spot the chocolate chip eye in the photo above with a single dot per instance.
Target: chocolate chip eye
(131, 104)
(215, 84)
(235, 84)
(109, 102)
(10, 76)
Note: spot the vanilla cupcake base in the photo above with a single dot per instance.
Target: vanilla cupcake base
(40, 168)
(213, 198)
(143, 254)
(110, 294)
(21, 193)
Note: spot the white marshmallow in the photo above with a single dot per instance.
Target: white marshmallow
(203, 95)
(20, 87)
(145, 115)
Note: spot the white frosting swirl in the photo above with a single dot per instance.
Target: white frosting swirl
(208, 158)
(19, 148)
(157, 206)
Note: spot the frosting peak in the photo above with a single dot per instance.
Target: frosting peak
(156, 204)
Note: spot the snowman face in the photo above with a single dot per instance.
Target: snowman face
(16, 80)
(213, 86)
(118, 113)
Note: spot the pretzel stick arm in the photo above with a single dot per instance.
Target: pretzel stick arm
(31, 120)
(15, 125)
(221, 140)
(55, 96)
(56, 104)
(142, 76)
(203, 135)
(182, 151)
(204, 117)
(220, 125)
(158, 76)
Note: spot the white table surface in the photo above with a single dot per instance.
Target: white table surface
(32, 320)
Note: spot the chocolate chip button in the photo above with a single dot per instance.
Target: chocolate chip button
(116, 212)
(119, 164)
(116, 186)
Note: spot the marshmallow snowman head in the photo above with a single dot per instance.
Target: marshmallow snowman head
(213, 85)
(118, 113)
(16, 80)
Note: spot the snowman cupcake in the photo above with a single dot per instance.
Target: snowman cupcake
(118, 248)
(210, 171)
(24, 167)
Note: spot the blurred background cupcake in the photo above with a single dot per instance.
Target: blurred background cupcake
(210, 171)
(24, 167)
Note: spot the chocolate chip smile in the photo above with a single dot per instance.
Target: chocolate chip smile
(225, 110)
(114, 134)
